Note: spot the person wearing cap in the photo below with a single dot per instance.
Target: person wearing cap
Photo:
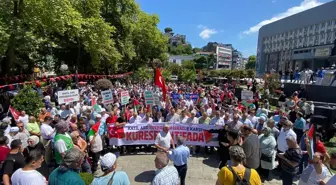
(13, 161)
(251, 147)
(289, 160)
(108, 164)
(226, 175)
(285, 131)
(180, 156)
(62, 140)
(164, 139)
(261, 124)
(165, 175)
(67, 172)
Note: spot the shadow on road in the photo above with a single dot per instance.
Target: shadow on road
(212, 161)
(146, 176)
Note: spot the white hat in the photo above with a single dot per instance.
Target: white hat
(98, 116)
(103, 110)
(14, 129)
(107, 161)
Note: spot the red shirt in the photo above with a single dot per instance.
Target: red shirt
(111, 120)
(320, 148)
(4, 150)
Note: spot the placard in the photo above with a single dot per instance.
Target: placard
(68, 96)
(124, 96)
(107, 97)
(157, 99)
(246, 95)
(149, 98)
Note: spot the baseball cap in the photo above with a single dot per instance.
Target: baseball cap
(98, 116)
(107, 161)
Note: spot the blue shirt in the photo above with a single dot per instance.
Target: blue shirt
(300, 123)
(247, 122)
(180, 155)
(119, 178)
(276, 119)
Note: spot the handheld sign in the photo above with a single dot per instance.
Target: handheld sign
(68, 96)
(149, 98)
(124, 97)
(246, 95)
(107, 97)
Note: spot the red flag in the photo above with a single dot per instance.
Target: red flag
(116, 132)
(311, 132)
(14, 112)
(159, 81)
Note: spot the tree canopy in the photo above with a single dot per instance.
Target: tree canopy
(96, 36)
(251, 63)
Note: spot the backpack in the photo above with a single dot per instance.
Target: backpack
(238, 180)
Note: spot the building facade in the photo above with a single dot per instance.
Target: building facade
(303, 40)
(237, 60)
(224, 57)
(178, 59)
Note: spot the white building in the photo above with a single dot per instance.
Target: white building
(224, 57)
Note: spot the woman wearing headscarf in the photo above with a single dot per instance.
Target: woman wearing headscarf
(267, 151)
(35, 144)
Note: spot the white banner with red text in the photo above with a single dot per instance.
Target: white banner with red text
(145, 133)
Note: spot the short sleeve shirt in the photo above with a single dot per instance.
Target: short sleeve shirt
(119, 178)
(225, 176)
(163, 139)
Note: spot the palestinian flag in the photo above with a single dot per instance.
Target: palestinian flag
(208, 136)
(93, 130)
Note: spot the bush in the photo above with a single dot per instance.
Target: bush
(28, 100)
(103, 84)
(86, 177)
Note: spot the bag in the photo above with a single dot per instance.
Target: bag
(111, 179)
(238, 180)
(266, 158)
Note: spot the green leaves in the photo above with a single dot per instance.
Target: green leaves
(28, 100)
(251, 64)
(94, 35)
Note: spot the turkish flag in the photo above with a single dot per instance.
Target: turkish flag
(14, 112)
(116, 132)
(159, 81)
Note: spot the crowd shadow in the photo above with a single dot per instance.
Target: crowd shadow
(146, 176)
(211, 161)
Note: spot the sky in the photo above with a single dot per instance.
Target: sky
(223, 21)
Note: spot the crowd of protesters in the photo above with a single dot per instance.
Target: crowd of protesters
(253, 142)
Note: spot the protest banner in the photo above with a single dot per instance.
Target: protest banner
(246, 95)
(107, 97)
(68, 96)
(149, 98)
(145, 134)
(124, 97)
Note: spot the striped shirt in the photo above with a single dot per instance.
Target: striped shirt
(293, 155)
(166, 176)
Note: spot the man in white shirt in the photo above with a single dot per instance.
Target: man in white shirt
(96, 146)
(24, 118)
(192, 119)
(48, 134)
(164, 139)
(135, 118)
(217, 120)
(28, 174)
(285, 132)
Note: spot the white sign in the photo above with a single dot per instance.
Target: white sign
(68, 96)
(149, 99)
(157, 99)
(322, 52)
(246, 95)
(124, 96)
(107, 97)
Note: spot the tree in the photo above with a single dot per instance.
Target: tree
(188, 64)
(211, 60)
(168, 30)
(175, 68)
(188, 75)
(28, 100)
(143, 74)
(166, 73)
(251, 63)
(201, 62)
(196, 50)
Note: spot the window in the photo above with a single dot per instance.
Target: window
(329, 23)
(322, 25)
(311, 28)
(322, 36)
